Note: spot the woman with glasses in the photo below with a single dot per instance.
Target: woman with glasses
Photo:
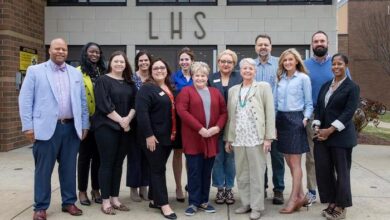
(223, 171)
(156, 131)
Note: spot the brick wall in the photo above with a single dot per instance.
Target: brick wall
(21, 24)
(364, 66)
(343, 43)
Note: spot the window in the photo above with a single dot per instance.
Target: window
(86, 2)
(279, 2)
(176, 2)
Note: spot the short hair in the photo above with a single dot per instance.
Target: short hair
(249, 61)
(187, 51)
(139, 54)
(300, 66)
(230, 53)
(319, 32)
(200, 67)
(263, 36)
(342, 56)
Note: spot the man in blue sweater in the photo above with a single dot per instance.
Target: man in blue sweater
(320, 72)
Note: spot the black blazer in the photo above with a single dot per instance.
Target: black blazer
(341, 106)
(154, 116)
(216, 82)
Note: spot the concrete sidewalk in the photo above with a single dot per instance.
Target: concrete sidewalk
(370, 179)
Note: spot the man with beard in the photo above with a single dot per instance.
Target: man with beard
(320, 72)
(266, 68)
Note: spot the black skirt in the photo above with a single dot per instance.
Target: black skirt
(292, 137)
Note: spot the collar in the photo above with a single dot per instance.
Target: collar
(339, 83)
(295, 74)
(257, 60)
(55, 67)
(320, 60)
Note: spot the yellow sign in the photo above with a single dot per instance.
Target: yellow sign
(27, 57)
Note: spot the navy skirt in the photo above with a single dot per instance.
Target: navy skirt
(292, 138)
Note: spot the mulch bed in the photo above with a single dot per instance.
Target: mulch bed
(373, 140)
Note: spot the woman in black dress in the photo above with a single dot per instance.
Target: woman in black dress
(115, 109)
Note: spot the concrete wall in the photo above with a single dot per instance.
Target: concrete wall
(224, 25)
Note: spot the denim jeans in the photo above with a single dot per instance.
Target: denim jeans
(224, 170)
(199, 178)
(277, 162)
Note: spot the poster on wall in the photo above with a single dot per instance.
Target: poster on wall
(27, 57)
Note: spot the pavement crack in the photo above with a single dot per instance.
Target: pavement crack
(371, 171)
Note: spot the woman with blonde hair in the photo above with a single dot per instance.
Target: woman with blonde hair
(224, 171)
(294, 107)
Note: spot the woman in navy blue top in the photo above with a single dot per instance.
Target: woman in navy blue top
(181, 79)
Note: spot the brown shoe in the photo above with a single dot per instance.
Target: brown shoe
(39, 215)
(278, 198)
(72, 209)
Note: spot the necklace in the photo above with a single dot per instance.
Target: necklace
(243, 102)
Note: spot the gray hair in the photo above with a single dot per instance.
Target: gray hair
(249, 61)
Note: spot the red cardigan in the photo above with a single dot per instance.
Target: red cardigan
(189, 106)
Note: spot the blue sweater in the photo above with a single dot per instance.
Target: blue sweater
(319, 74)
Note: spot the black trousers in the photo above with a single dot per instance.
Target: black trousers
(113, 146)
(333, 167)
(158, 184)
(137, 168)
(88, 158)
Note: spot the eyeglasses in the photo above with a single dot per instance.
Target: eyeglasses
(159, 68)
(226, 62)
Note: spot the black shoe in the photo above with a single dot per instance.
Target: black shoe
(278, 198)
(153, 206)
(170, 216)
(86, 201)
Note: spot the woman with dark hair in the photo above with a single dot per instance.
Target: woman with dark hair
(181, 79)
(137, 165)
(156, 120)
(115, 110)
(92, 66)
(335, 137)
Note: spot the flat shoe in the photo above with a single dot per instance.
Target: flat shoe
(170, 216)
(121, 207)
(108, 211)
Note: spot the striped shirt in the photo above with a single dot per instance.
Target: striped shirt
(267, 72)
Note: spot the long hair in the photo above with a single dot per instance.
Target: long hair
(300, 66)
(167, 80)
(139, 54)
(87, 66)
(127, 73)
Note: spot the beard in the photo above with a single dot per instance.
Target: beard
(320, 51)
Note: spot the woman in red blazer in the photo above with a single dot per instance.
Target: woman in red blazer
(203, 114)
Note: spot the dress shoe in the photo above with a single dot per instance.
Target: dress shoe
(170, 216)
(72, 209)
(95, 194)
(179, 195)
(39, 215)
(84, 200)
(143, 193)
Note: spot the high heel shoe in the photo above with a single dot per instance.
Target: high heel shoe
(96, 196)
(178, 198)
(85, 200)
(294, 208)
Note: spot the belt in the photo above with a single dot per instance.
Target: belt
(65, 120)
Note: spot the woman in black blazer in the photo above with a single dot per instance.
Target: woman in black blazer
(156, 120)
(335, 138)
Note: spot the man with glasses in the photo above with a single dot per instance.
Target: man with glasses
(266, 68)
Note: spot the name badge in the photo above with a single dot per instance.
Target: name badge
(162, 93)
(217, 80)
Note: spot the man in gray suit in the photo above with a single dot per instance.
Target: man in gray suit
(54, 115)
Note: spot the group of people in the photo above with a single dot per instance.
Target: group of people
(225, 123)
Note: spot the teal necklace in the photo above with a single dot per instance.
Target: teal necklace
(243, 102)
